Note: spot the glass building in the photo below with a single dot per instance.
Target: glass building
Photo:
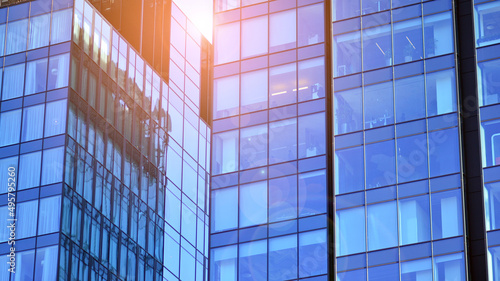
(111, 154)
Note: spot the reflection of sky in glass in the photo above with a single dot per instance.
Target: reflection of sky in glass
(200, 13)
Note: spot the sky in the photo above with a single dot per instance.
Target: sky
(200, 12)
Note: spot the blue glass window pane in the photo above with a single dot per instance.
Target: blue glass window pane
(416, 270)
(283, 258)
(58, 72)
(282, 29)
(412, 158)
(313, 253)
(414, 220)
(2, 38)
(4, 232)
(227, 43)
(492, 205)
(25, 265)
(33, 122)
(490, 138)
(488, 86)
(444, 152)
(5, 163)
(52, 165)
(226, 96)
(349, 167)
(449, 267)
(27, 216)
(350, 231)
(224, 209)
(172, 209)
(383, 273)
(311, 25)
(494, 263)
(172, 257)
(380, 164)
(311, 79)
(187, 266)
(438, 34)
(191, 139)
(283, 141)
(176, 130)
(55, 118)
(225, 155)
(10, 126)
(17, 36)
(13, 81)
(254, 91)
(373, 6)
(283, 85)
(347, 53)
(358, 275)
(410, 98)
(223, 264)
(50, 209)
(36, 77)
(282, 198)
(39, 33)
(408, 41)
(312, 193)
(254, 37)
(312, 135)
(343, 9)
(382, 96)
(377, 47)
(46, 263)
(486, 23)
(61, 26)
(441, 92)
(253, 204)
(29, 171)
(348, 111)
(174, 168)
(253, 147)
(253, 261)
(188, 224)
(447, 214)
(382, 226)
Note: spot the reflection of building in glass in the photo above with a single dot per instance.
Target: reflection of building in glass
(112, 158)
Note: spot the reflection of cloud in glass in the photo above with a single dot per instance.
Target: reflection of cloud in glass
(200, 13)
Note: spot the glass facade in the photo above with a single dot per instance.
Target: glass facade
(397, 173)
(488, 60)
(113, 161)
(269, 184)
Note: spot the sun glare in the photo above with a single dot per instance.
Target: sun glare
(200, 12)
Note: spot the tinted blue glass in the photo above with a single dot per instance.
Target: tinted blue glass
(25, 263)
(282, 141)
(349, 167)
(410, 98)
(343, 9)
(492, 205)
(33, 122)
(29, 170)
(312, 253)
(52, 165)
(253, 204)
(36, 77)
(414, 220)
(223, 264)
(58, 72)
(311, 135)
(441, 92)
(312, 190)
(372, 6)
(283, 85)
(282, 199)
(2, 39)
(377, 47)
(438, 34)
(350, 231)
(486, 24)
(347, 52)
(408, 41)
(55, 118)
(225, 209)
(348, 111)
(5, 163)
(310, 25)
(494, 263)
(253, 261)
(226, 97)
(489, 88)
(444, 153)
(17, 34)
(383, 273)
(61, 26)
(254, 90)
(27, 217)
(359, 274)
(380, 164)
(449, 267)
(412, 158)
(282, 30)
(311, 79)
(416, 270)
(10, 125)
(382, 225)
(39, 33)
(283, 258)
(382, 96)
(46, 263)
(490, 142)
(13, 81)
(253, 147)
